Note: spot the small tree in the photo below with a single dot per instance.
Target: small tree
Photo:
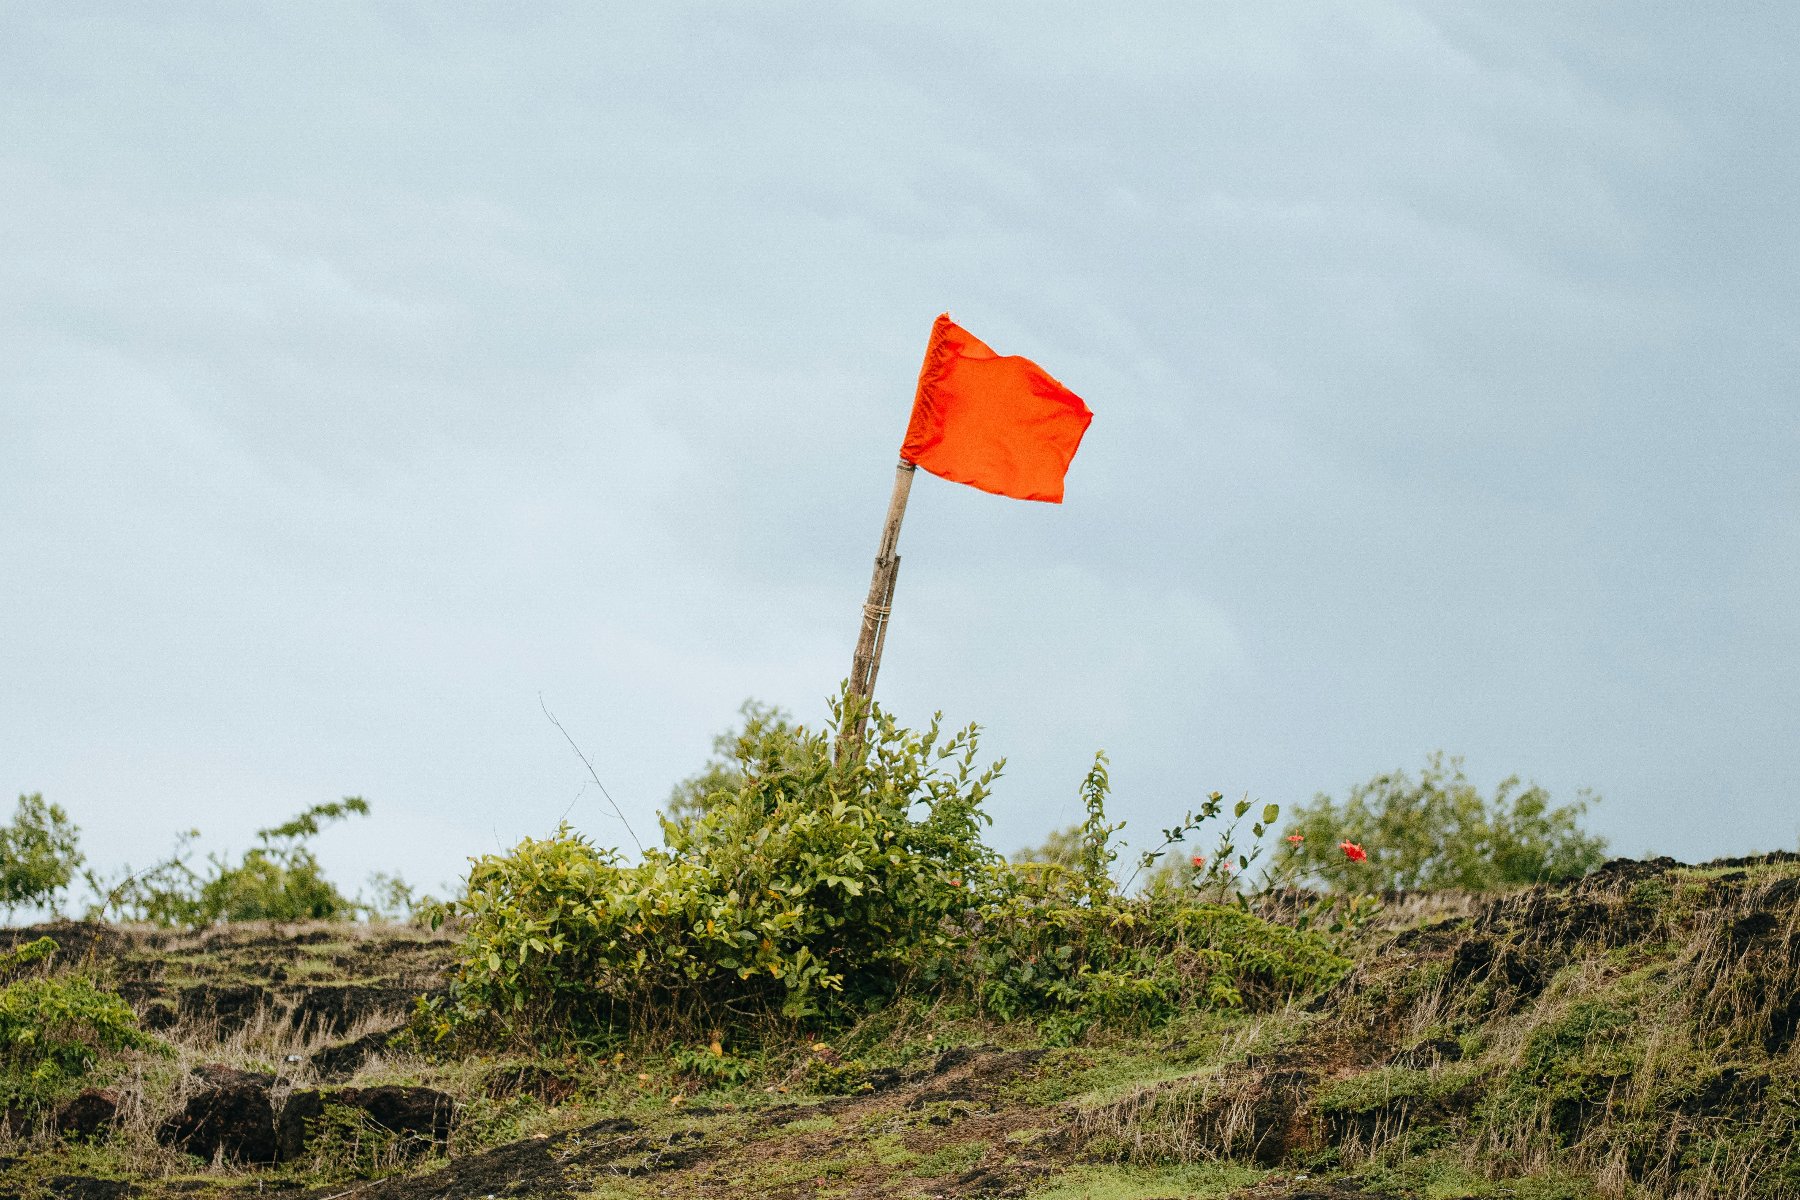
(39, 854)
(1438, 831)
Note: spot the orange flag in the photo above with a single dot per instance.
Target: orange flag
(997, 423)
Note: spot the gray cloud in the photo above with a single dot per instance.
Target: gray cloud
(367, 371)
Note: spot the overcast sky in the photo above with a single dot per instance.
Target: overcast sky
(368, 371)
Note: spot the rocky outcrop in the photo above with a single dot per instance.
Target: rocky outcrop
(420, 1117)
(89, 1114)
(230, 1117)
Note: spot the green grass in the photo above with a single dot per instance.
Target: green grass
(1203, 1181)
(1440, 1177)
(951, 1160)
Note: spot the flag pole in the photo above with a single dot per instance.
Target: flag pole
(866, 663)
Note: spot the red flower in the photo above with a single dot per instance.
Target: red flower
(1294, 839)
(1199, 860)
(1353, 852)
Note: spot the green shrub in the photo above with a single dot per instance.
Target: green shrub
(814, 884)
(1438, 831)
(54, 1029)
(818, 887)
(279, 880)
(1049, 952)
(39, 854)
(723, 775)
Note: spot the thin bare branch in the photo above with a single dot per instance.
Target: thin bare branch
(588, 763)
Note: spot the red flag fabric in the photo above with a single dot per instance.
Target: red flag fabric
(997, 423)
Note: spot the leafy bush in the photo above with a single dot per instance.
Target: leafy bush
(1062, 943)
(1438, 831)
(814, 883)
(53, 1029)
(1048, 953)
(279, 880)
(39, 854)
(815, 887)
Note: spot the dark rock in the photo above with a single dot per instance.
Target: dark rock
(1626, 869)
(1272, 1120)
(1438, 935)
(230, 1117)
(83, 1187)
(215, 1075)
(1754, 860)
(1782, 892)
(333, 1009)
(229, 1007)
(1752, 928)
(1725, 1090)
(958, 1056)
(1514, 970)
(158, 1017)
(1784, 1024)
(999, 1068)
(421, 1116)
(296, 1127)
(1429, 1053)
(89, 1114)
(343, 1060)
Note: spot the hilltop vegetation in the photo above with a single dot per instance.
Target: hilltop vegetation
(824, 982)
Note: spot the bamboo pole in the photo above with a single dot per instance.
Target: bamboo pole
(866, 663)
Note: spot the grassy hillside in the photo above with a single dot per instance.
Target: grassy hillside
(1630, 1035)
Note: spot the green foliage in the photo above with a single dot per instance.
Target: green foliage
(344, 1142)
(813, 884)
(1224, 873)
(1061, 848)
(1094, 854)
(35, 951)
(723, 774)
(53, 1029)
(712, 1065)
(278, 880)
(39, 854)
(1438, 831)
(827, 1074)
(817, 887)
(391, 898)
(1048, 952)
(1570, 1069)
